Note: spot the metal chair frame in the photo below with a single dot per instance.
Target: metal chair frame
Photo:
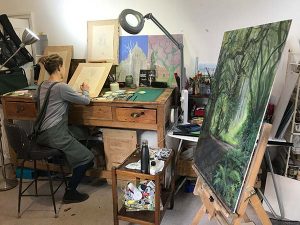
(22, 150)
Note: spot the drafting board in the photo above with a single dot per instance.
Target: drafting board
(94, 74)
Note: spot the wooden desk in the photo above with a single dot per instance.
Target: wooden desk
(114, 114)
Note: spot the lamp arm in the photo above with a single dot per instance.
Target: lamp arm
(21, 46)
(179, 45)
(154, 20)
(182, 70)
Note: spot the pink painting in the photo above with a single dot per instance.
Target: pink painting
(164, 56)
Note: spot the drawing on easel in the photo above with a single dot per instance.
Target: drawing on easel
(241, 89)
(94, 74)
(103, 41)
(66, 52)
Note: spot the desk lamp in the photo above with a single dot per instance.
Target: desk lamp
(28, 38)
(133, 22)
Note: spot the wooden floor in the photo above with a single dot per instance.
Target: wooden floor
(97, 210)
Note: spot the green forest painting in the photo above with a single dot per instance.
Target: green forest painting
(240, 90)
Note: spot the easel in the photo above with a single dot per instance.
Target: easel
(215, 209)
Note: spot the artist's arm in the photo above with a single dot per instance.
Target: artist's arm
(68, 94)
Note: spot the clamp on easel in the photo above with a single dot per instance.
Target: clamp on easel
(216, 209)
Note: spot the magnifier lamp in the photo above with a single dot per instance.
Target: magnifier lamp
(28, 38)
(133, 22)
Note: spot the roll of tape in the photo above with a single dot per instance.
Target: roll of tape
(114, 86)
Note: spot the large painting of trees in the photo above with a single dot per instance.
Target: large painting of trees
(241, 88)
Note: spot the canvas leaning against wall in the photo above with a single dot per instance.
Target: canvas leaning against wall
(140, 52)
(133, 56)
(240, 92)
(164, 57)
(103, 41)
(66, 52)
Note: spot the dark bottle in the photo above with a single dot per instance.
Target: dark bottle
(145, 158)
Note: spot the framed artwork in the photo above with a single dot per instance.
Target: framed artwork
(164, 56)
(103, 41)
(241, 88)
(133, 52)
(94, 74)
(66, 52)
(137, 52)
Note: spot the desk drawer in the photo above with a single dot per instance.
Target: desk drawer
(20, 110)
(147, 116)
(90, 112)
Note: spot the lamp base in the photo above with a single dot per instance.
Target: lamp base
(8, 184)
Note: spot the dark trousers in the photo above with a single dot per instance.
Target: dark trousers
(78, 173)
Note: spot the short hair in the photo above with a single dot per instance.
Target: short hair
(51, 62)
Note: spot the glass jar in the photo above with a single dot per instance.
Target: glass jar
(128, 80)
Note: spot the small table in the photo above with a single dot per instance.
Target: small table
(178, 152)
(166, 195)
(182, 138)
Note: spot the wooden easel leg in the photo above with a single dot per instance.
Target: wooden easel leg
(199, 215)
(260, 212)
(238, 221)
(246, 218)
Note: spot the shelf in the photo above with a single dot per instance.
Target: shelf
(293, 68)
(296, 152)
(144, 217)
(141, 217)
(199, 96)
(293, 53)
(166, 196)
(295, 64)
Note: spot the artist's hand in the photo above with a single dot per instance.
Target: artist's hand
(84, 87)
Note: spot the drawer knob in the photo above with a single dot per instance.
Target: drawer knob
(136, 115)
(20, 108)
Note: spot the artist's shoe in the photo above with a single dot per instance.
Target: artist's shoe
(73, 196)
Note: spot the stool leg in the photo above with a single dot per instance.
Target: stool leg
(63, 174)
(35, 178)
(51, 188)
(20, 188)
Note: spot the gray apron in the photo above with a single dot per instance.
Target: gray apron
(61, 138)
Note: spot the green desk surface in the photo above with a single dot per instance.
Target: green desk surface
(150, 95)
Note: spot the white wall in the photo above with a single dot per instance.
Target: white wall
(202, 22)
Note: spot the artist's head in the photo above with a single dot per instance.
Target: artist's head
(53, 64)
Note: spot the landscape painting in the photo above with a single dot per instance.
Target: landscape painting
(133, 56)
(141, 52)
(240, 92)
(164, 57)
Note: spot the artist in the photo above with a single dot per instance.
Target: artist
(54, 131)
